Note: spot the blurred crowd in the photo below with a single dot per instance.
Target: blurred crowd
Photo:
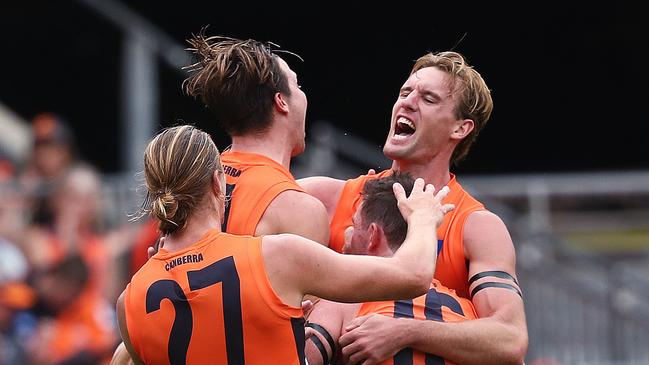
(61, 267)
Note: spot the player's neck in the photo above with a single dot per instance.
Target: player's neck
(197, 225)
(268, 144)
(434, 171)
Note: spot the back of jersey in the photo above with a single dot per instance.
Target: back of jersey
(211, 303)
(253, 182)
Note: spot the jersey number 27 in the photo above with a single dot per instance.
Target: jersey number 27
(223, 271)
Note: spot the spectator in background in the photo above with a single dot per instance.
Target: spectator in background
(53, 153)
(75, 226)
(74, 328)
(15, 295)
(74, 231)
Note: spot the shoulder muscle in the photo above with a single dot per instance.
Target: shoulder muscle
(487, 243)
(326, 189)
(298, 213)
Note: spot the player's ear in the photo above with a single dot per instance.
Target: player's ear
(376, 236)
(218, 183)
(279, 100)
(462, 128)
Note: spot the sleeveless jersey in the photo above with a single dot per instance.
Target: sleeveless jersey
(439, 304)
(253, 181)
(451, 269)
(211, 303)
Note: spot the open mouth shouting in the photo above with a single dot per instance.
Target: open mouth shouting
(403, 128)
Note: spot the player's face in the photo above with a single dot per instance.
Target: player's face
(423, 118)
(356, 237)
(297, 104)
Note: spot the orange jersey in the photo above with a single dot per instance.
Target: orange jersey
(85, 325)
(90, 247)
(451, 268)
(253, 181)
(439, 304)
(211, 303)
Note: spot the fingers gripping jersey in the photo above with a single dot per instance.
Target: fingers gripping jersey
(451, 269)
(439, 304)
(211, 303)
(253, 181)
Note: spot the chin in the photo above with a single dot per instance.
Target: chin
(394, 152)
(298, 150)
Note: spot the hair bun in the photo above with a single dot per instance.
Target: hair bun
(165, 206)
(177, 186)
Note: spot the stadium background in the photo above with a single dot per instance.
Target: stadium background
(564, 158)
(568, 79)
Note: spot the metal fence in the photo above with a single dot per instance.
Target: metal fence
(583, 306)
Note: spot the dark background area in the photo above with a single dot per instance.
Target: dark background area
(570, 81)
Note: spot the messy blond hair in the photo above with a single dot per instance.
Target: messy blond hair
(473, 96)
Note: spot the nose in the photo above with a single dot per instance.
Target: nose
(410, 101)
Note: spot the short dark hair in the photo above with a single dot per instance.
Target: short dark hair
(380, 206)
(237, 80)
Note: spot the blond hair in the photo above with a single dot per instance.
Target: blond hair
(178, 167)
(474, 97)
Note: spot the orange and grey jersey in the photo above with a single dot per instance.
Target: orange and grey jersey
(439, 304)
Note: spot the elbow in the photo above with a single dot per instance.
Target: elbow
(517, 350)
(521, 350)
(420, 283)
(425, 275)
(510, 349)
(412, 277)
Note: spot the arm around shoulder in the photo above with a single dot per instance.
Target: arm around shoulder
(295, 262)
(297, 266)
